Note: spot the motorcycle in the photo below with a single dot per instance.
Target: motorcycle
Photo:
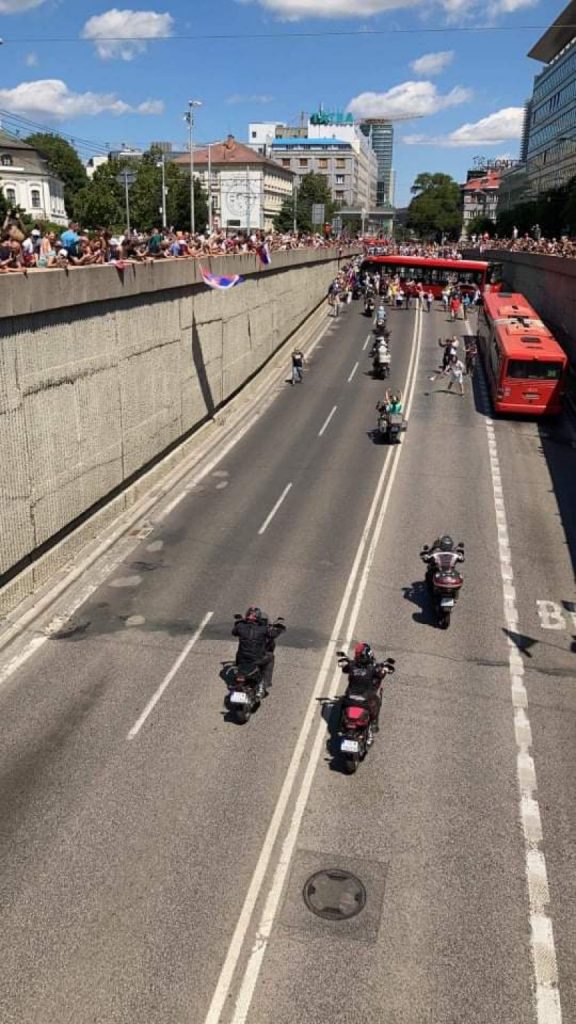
(356, 732)
(444, 584)
(246, 689)
(369, 307)
(390, 426)
(381, 364)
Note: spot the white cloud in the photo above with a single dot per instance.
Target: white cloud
(17, 6)
(294, 9)
(409, 99)
(51, 98)
(239, 97)
(123, 35)
(432, 63)
(498, 127)
(31, 60)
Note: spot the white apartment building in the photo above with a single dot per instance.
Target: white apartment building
(26, 181)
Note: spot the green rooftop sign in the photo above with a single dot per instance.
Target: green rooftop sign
(331, 117)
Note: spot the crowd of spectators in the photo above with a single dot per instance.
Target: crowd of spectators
(564, 246)
(22, 250)
(432, 250)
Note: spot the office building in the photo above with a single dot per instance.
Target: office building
(381, 137)
(350, 175)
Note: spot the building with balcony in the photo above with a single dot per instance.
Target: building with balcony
(479, 197)
(27, 181)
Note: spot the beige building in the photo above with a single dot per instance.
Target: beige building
(246, 187)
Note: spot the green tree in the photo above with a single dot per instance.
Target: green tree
(435, 208)
(146, 195)
(64, 162)
(100, 204)
(479, 225)
(313, 188)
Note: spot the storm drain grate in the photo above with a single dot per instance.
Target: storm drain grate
(334, 894)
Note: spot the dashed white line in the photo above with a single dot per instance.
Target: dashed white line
(548, 1005)
(366, 546)
(271, 514)
(169, 677)
(354, 368)
(365, 345)
(330, 415)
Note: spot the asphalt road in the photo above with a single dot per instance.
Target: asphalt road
(150, 876)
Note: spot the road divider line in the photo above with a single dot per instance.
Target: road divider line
(354, 368)
(169, 677)
(543, 949)
(330, 415)
(365, 345)
(325, 676)
(271, 514)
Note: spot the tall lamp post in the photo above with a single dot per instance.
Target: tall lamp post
(189, 117)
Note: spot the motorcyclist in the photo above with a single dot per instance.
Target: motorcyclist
(381, 315)
(442, 556)
(392, 402)
(257, 636)
(364, 677)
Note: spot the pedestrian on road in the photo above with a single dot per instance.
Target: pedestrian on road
(429, 301)
(297, 366)
(454, 307)
(456, 371)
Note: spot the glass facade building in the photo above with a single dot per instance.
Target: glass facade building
(381, 135)
(549, 142)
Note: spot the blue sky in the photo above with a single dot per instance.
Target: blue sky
(461, 64)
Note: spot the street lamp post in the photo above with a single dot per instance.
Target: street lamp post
(210, 188)
(162, 165)
(189, 117)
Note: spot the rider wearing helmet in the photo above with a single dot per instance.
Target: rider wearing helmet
(256, 643)
(443, 556)
(364, 676)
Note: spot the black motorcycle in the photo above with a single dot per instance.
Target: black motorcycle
(390, 426)
(356, 732)
(245, 691)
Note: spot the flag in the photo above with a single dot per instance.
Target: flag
(217, 281)
(264, 254)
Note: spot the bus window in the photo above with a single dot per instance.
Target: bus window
(533, 369)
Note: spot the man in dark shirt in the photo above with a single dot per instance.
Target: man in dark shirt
(297, 366)
(256, 644)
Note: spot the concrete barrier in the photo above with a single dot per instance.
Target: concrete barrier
(102, 371)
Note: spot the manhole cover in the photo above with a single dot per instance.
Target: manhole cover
(334, 894)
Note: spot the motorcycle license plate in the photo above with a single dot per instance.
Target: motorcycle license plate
(350, 746)
(447, 602)
(238, 697)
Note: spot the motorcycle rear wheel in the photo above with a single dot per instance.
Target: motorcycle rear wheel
(351, 764)
(444, 620)
(243, 714)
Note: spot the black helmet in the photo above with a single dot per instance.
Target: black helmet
(253, 614)
(446, 543)
(363, 654)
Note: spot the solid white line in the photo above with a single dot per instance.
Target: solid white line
(353, 372)
(236, 944)
(543, 948)
(169, 677)
(271, 514)
(266, 923)
(320, 432)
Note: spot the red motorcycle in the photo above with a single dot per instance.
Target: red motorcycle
(356, 726)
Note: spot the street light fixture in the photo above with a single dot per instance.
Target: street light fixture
(189, 117)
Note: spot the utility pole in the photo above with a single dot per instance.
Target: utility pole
(189, 117)
(248, 205)
(210, 188)
(163, 167)
(127, 199)
(295, 208)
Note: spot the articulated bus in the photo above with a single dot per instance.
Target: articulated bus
(434, 275)
(525, 365)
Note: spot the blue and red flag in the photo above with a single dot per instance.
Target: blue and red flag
(220, 282)
(264, 254)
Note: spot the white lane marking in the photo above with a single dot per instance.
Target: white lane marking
(265, 926)
(135, 620)
(238, 938)
(126, 581)
(353, 372)
(169, 677)
(365, 345)
(330, 415)
(101, 571)
(156, 545)
(543, 948)
(271, 514)
(222, 484)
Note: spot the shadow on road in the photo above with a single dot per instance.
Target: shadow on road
(417, 593)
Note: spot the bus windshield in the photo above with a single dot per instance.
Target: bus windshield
(533, 369)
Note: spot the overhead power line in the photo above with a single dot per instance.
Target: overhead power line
(218, 36)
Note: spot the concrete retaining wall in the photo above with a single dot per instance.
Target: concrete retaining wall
(103, 370)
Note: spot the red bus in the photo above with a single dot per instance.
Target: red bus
(433, 274)
(525, 365)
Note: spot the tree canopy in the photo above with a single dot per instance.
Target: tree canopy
(313, 188)
(102, 202)
(64, 162)
(435, 208)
